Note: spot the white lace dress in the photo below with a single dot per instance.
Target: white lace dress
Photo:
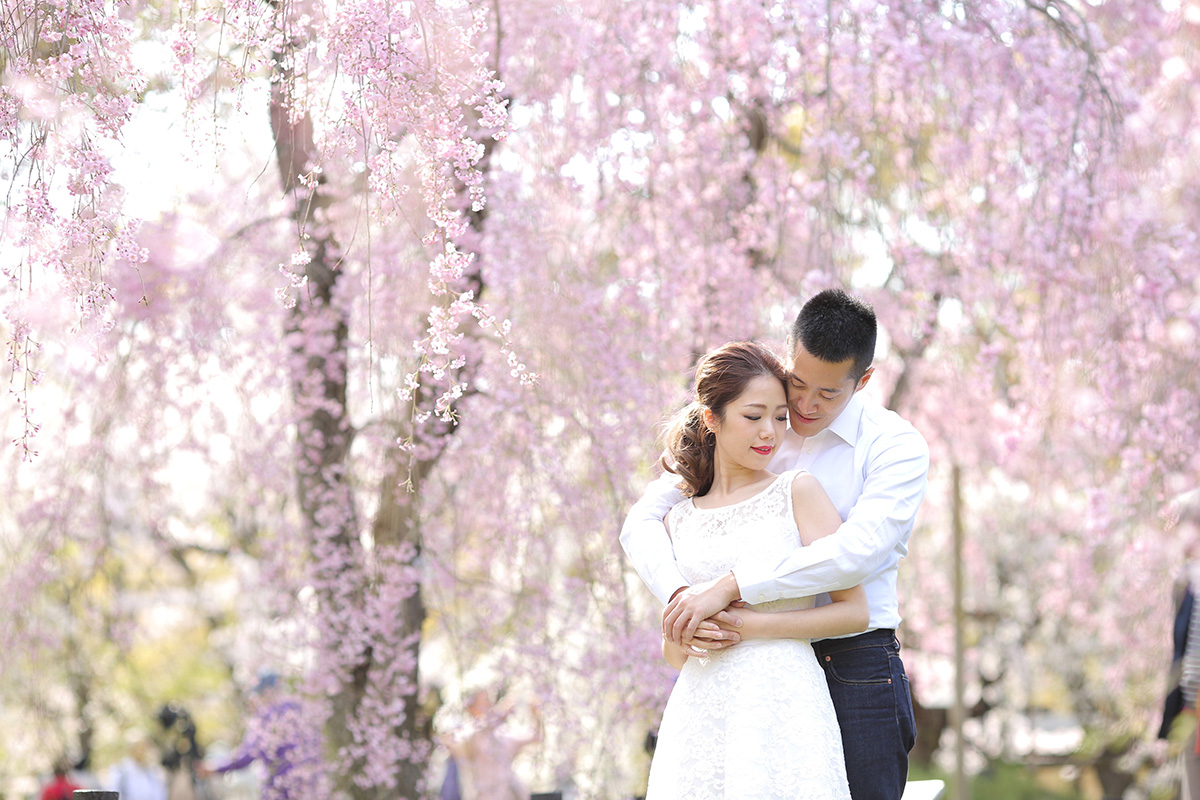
(753, 722)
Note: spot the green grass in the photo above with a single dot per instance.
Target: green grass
(1001, 781)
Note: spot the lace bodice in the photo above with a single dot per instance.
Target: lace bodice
(709, 542)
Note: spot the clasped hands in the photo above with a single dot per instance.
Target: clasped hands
(703, 618)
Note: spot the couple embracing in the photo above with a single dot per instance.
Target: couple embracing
(773, 537)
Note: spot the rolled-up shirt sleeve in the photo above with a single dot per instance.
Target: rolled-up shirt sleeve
(878, 524)
(645, 539)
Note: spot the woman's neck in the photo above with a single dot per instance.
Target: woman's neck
(731, 481)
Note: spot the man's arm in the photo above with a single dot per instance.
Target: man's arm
(892, 492)
(646, 542)
(877, 524)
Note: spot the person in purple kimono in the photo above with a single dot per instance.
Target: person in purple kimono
(275, 737)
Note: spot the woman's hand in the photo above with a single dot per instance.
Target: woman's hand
(740, 620)
(675, 655)
(715, 633)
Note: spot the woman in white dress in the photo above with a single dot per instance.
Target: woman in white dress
(753, 721)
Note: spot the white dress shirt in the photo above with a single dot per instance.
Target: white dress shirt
(873, 465)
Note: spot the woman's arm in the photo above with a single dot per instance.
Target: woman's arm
(535, 736)
(848, 613)
(815, 514)
(674, 654)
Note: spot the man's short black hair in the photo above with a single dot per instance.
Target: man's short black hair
(835, 326)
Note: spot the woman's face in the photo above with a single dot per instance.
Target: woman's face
(479, 704)
(752, 426)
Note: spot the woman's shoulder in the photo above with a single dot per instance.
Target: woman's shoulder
(803, 484)
(799, 479)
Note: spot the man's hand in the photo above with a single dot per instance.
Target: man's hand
(695, 604)
(715, 633)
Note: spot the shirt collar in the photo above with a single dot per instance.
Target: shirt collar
(846, 424)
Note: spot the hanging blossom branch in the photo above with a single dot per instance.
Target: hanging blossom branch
(422, 85)
(416, 89)
(19, 354)
(69, 88)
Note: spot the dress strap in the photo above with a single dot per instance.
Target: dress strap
(785, 487)
(788, 478)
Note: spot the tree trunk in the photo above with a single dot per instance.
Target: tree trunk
(398, 523)
(930, 724)
(1114, 781)
(319, 330)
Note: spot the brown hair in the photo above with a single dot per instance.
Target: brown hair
(721, 375)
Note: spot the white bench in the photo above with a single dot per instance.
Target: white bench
(924, 790)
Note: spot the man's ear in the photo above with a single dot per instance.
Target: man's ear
(865, 379)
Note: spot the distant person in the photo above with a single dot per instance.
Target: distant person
(181, 753)
(1179, 713)
(431, 704)
(451, 785)
(279, 739)
(483, 754)
(137, 776)
(60, 787)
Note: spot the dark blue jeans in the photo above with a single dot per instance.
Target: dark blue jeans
(874, 709)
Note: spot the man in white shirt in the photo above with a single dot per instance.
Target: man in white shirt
(874, 465)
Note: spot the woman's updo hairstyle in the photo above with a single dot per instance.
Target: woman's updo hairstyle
(721, 376)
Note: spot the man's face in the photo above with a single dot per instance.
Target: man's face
(819, 390)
